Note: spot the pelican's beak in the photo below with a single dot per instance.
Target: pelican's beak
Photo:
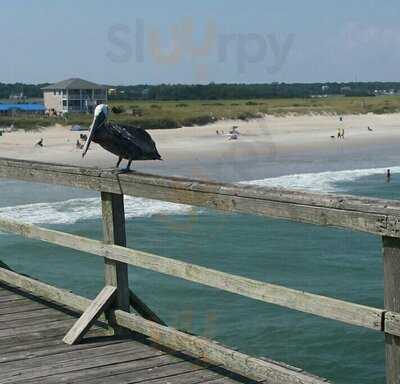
(98, 121)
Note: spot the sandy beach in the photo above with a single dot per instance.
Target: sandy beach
(202, 153)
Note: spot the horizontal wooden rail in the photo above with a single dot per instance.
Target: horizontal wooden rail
(343, 311)
(377, 216)
(40, 289)
(215, 353)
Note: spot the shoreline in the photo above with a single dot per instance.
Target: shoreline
(267, 147)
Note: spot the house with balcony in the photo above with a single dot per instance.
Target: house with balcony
(73, 95)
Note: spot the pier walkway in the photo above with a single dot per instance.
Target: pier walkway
(32, 351)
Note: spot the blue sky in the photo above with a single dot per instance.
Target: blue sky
(187, 41)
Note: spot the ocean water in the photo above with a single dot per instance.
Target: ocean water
(333, 262)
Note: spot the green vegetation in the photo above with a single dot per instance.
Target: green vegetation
(30, 91)
(171, 114)
(215, 91)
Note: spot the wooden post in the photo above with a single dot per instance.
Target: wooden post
(116, 273)
(391, 266)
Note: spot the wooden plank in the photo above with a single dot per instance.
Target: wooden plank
(74, 366)
(4, 292)
(52, 339)
(71, 357)
(33, 328)
(54, 316)
(335, 309)
(376, 216)
(40, 313)
(391, 268)
(4, 296)
(102, 301)
(7, 299)
(25, 349)
(34, 337)
(138, 362)
(227, 380)
(26, 307)
(166, 369)
(213, 352)
(142, 309)
(49, 351)
(20, 304)
(197, 377)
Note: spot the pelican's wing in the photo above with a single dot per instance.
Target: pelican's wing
(137, 136)
(118, 133)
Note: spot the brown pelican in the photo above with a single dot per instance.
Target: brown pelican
(126, 142)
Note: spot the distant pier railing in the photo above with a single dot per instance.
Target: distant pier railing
(375, 216)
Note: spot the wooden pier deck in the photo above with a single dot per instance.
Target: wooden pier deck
(57, 339)
(32, 351)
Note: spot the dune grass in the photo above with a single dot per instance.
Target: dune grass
(174, 114)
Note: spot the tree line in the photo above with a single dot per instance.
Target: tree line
(214, 91)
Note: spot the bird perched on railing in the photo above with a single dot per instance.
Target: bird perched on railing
(127, 142)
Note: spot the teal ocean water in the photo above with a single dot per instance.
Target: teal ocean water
(338, 263)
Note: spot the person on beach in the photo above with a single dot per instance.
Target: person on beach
(388, 176)
(40, 143)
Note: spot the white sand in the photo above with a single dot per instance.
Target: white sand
(285, 134)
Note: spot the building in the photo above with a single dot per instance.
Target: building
(73, 95)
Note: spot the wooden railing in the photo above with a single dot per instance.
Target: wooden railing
(375, 216)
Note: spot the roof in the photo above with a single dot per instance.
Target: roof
(22, 107)
(74, 83)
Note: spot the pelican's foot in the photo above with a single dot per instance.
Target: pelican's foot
(108, 169)
(124, 170)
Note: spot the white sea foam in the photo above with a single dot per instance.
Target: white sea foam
(320, 182)
(74, 210)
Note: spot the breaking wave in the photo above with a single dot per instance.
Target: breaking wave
(320, 182)
(74, 210)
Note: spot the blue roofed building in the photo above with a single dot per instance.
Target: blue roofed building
(9, 108)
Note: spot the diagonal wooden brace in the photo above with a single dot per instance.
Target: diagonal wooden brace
(103, 300)
(142, 309)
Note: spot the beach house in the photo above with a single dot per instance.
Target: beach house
(73, 95)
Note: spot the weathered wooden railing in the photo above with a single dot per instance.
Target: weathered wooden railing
(375, 216)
